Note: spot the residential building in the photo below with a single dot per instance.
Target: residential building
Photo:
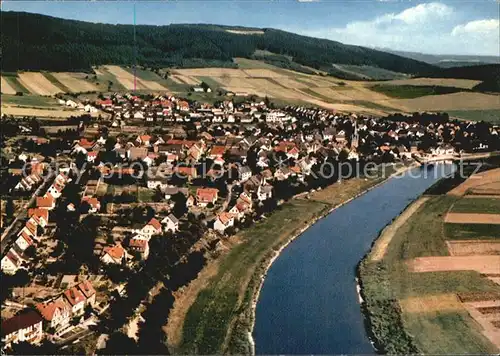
(24, 327)
(170, 223)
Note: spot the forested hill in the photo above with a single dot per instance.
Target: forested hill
(38, 42)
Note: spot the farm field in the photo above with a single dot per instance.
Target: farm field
(445, 102)
(126, 79)
(6, 87)
(37, 83)
(13, 81)
(443, 82)
(432, 274)
(477, 115)
(76, 82)
(259, 78)
(30, 101)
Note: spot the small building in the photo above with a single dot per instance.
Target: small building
(76, 299)
(56, 313)
(205, 196)
(24, 327)
(170, 223)
(141, 246)
(223, 221)
(113, 254)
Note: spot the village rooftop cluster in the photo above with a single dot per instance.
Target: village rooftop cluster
(155, 169)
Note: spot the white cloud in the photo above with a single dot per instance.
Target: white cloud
(431, 27)
(480, 27)
(424, 12)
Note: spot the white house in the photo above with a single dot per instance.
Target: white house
(264, 192)
(114, 254)
(56, 313)
(223, 221)
(170, 223)
(76, 300)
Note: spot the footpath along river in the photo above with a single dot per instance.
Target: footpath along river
(309, 303)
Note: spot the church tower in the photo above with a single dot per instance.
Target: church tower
(355, 137)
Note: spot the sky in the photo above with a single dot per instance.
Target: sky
(439, 27)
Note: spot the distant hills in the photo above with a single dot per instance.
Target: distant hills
(446, 60)
(39, 42)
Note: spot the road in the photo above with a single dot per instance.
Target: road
(10, 231)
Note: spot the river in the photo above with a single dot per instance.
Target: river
(308, 303)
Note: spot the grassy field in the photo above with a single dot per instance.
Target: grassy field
(477, 115)
(387, 282)
(30, 101)
(220, 318)
(471, 231)
(477, 205)
(371, 72)
(411, 91)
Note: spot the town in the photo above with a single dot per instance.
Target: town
(105, 217)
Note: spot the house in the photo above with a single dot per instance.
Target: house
(223, 221)
(153, 227)
(88, 291)
(154, 183)
(24, 241)
(264, 192)
(171, 223)
(190, 201)
(24, 327)
(244, 173)
(10, 263)
(93, 203)
(114, 254)
(40, 215)
(91, 156)
(135, 153)
(216, 152)
(189, 172)
(141, 246)
(143, 140)
(205, 196)
(55, 190)
(45, 202)
(76, 300)
(56, 313)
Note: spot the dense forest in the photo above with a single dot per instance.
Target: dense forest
(39, 42)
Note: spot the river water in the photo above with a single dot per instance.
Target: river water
(309, 303)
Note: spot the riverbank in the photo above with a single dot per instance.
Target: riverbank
(221, 318)
(409, 312)
(318, 196)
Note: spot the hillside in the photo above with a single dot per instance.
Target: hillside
(38, 42)
(446, 60)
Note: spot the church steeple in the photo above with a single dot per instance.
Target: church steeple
(355, 136)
